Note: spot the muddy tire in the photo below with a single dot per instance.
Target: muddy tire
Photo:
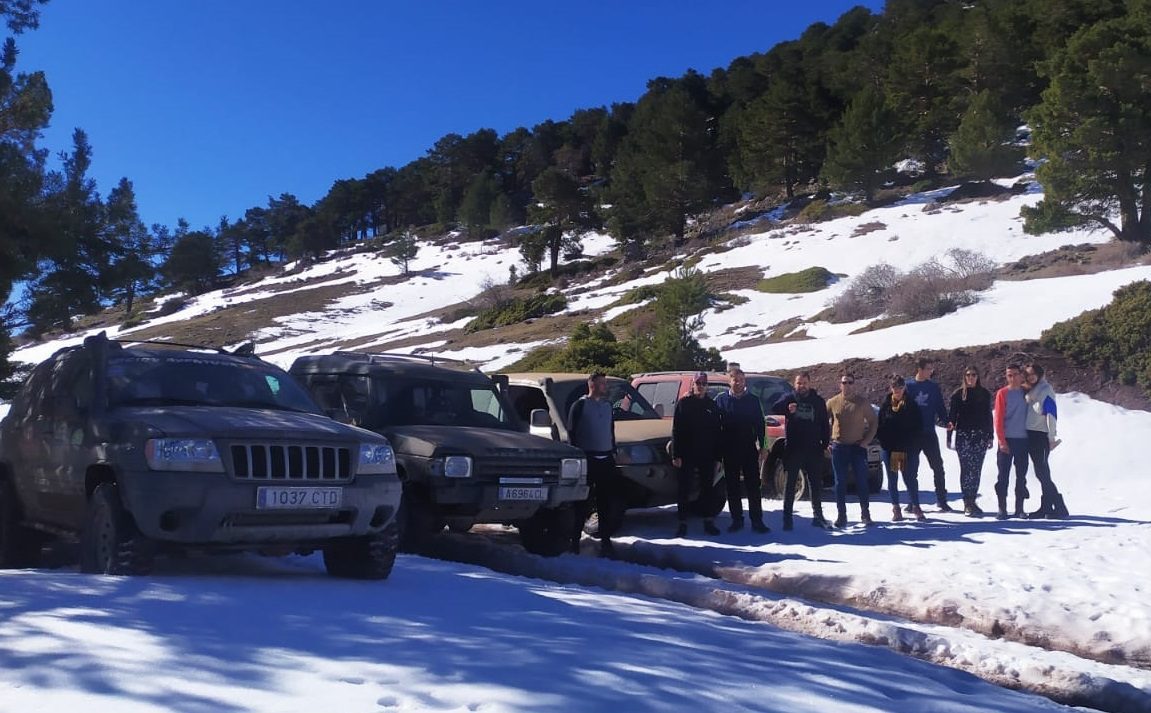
(110, 542)
(368, 557)
(416, 520)
(548, 532)
(19, 545)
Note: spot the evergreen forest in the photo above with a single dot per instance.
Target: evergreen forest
(941, 85)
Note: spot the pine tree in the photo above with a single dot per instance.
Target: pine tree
(979, 147)
(133, 268)
(863, 145)
(194, 264)
(1093, 128)
(564, 211)
(403, 250)
(922, 86)
(476, 206)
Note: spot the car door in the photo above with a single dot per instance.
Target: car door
(67, 438)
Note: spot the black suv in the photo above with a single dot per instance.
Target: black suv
(143, 448)
(464, 457)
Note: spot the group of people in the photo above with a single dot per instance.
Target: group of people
(728, 431)
(1021, 419)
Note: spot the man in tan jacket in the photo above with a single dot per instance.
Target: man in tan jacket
(853, 426)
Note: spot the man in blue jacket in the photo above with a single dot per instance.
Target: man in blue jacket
(929, 398)
(742, 432)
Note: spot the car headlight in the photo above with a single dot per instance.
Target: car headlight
(376, 459)
(635, 455)
(573, 468)
(457, 466)
(198, 455)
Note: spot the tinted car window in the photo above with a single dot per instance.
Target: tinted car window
(189, 380)
(769, 389)
(627, 404)
(416, 402)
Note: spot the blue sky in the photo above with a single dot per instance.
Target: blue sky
(209, 106)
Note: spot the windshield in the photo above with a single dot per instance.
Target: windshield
(769, 389)
(191, 380)
(415, 402)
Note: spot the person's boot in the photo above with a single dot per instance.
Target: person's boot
(841, 520)
(760, 526)
(1019, 507)
(896, 513)
(1042, 513)
(918, 512)
(710, 528)
(788, 523)
(818, 520)
(736, 524)
(1058, 507)
(1002, 514)
(865, 517)
(941, 502)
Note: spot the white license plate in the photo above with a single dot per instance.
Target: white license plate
(298, 498)
(521, 493)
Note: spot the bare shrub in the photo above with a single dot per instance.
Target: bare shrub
(868, 294)
(493, 294)
(930, 289)
(974, 270)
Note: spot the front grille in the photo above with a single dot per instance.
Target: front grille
(549, 470)
(266, 461)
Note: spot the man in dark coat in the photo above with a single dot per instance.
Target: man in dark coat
(806, 438)
(742, 439)
(695, 433)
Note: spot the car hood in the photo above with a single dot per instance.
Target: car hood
(425, 441)
(644, 430)
(241, 423)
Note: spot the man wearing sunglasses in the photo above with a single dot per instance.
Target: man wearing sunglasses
(853, 426)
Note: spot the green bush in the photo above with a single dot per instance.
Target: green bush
(813, 279)
(1115, 339)
(517, 310)
(820, 210)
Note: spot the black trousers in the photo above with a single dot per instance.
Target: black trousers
(691, 475)
(813, 462)
(741, 470)
(1039, 449)
(929, 448)
(605, 492)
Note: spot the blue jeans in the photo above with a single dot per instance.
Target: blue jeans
(910, 478)
(845, 457)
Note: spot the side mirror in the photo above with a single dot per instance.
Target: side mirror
(540, 423)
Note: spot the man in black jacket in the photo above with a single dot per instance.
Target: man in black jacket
(742, 429)
(806, 438)
(695, 450)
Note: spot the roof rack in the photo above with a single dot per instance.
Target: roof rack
(245, 349)
(380, 357)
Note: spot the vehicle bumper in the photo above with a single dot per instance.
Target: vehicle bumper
(214, 509)
(481, 502)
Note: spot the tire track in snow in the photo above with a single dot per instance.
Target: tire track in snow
(1058, 675)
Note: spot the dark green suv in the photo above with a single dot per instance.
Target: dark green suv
(146, 448)
(464, 456)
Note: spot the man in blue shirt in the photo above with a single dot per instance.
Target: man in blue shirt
(929, 398)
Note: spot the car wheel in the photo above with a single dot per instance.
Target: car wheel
(802, 482)
(110, 542)
(548, 532)
(368, 557)
(19, 546)
(416, 519)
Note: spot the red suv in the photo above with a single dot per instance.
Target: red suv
(664, 388)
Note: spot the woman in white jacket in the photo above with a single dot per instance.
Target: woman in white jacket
(1042, 418)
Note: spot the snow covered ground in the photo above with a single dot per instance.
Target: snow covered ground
(722, 623)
